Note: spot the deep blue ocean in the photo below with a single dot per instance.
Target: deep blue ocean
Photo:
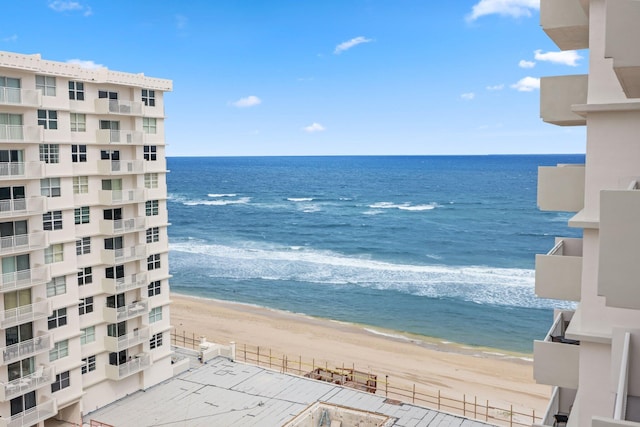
(442, 246)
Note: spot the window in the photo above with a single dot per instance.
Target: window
(50, 187)
(86, 306)
(76, 91)
(50, 153)
(59, 350)
(54, 253)
(153, 262)
(58, 318)
(23, 403)
(150, 180)
(153, 234)
(112, 214)
(88, 335)
(78, 153)
(88, 364)
(80, 184)
(57, 286)
(47, 84)
(149, 125)
(81, 215)
(52, 220)
(149, 97)
(83, 246)
(154, 288)
(62, 381)
(151, 207)
(48, 119)
(21, 368)
(155, 314)
(85, 276)
(111, 243)
(116, 272)
(150, 152)
(156, 340)
(78, 122)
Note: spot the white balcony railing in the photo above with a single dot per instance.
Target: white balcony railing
(123, 284)
(559, 272)
(127, 341)
(43, 376)
(20, 133)
(22, 242)
(120, 167)
(121, 226)
(24, 278)
(119, 256)
(17, 96)
(15, 170)
(135, 365)
(13, 207)
(117, 106)
(31, 416)
(119, 137)
(25, 349)
(119, 314)
(620, 410)
(25, 313)
(117, 197)
(556, 358)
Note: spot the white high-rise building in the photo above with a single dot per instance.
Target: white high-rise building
(592, 355)
(84, 305)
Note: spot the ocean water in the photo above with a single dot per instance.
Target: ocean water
(442, 246)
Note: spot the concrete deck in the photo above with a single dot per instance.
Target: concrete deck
(224, 393)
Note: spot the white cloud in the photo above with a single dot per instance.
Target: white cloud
(526, 64)
(512, 8)
(11, 38)
(527, 84)
(181, 22)
(468, 96)
(69, 6)
(90, 65)
(495, 87)
(350, 43)
(567, 57)
(249, 101)
(313, 127)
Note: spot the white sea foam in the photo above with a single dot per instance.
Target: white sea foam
(300, 199)
(384, 334)
(221, 195)
(219, 202)
(403, 206)
(479, 284)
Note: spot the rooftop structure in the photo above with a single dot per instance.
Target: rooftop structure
(84, 313)
(592, 355)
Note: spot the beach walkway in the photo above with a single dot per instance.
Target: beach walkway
(225, 393)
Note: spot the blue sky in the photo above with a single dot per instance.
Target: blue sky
(321, 77)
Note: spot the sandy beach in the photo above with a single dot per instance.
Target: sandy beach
(500, 377)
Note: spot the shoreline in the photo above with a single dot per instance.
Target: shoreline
(491, 374)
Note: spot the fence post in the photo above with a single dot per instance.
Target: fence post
(438, 400)
(269, 358)
(245, 352)
(386, 386)
(511, 416)
(464, 405)
(258, 356)
(413, 395)
(533, 416)
(486, 417)
(300, 365)
(475, 406)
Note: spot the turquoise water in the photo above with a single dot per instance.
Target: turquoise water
(440, 246)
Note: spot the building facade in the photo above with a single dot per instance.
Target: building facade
(84, 310)
(591, 355)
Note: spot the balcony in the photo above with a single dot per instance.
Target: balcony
(556, 358)
(20, 170)
(25, 313)
(31, 416)
(129, 340)
(121, 226)
(620, 31)
(24, 278)
(119, 197)
(618, 266)
(135, 309)
(22, 242)
(117, 286)
(560, 405)
(566, 23)
(139, 363)
(43, 376)
(120, 256)
(28, 348)
(16, 207)
(20, 133)
(558, 94)
(119, 137)
(117, 106)
(561, 188)
(559, 272)
(19, 97)
(120, 167)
